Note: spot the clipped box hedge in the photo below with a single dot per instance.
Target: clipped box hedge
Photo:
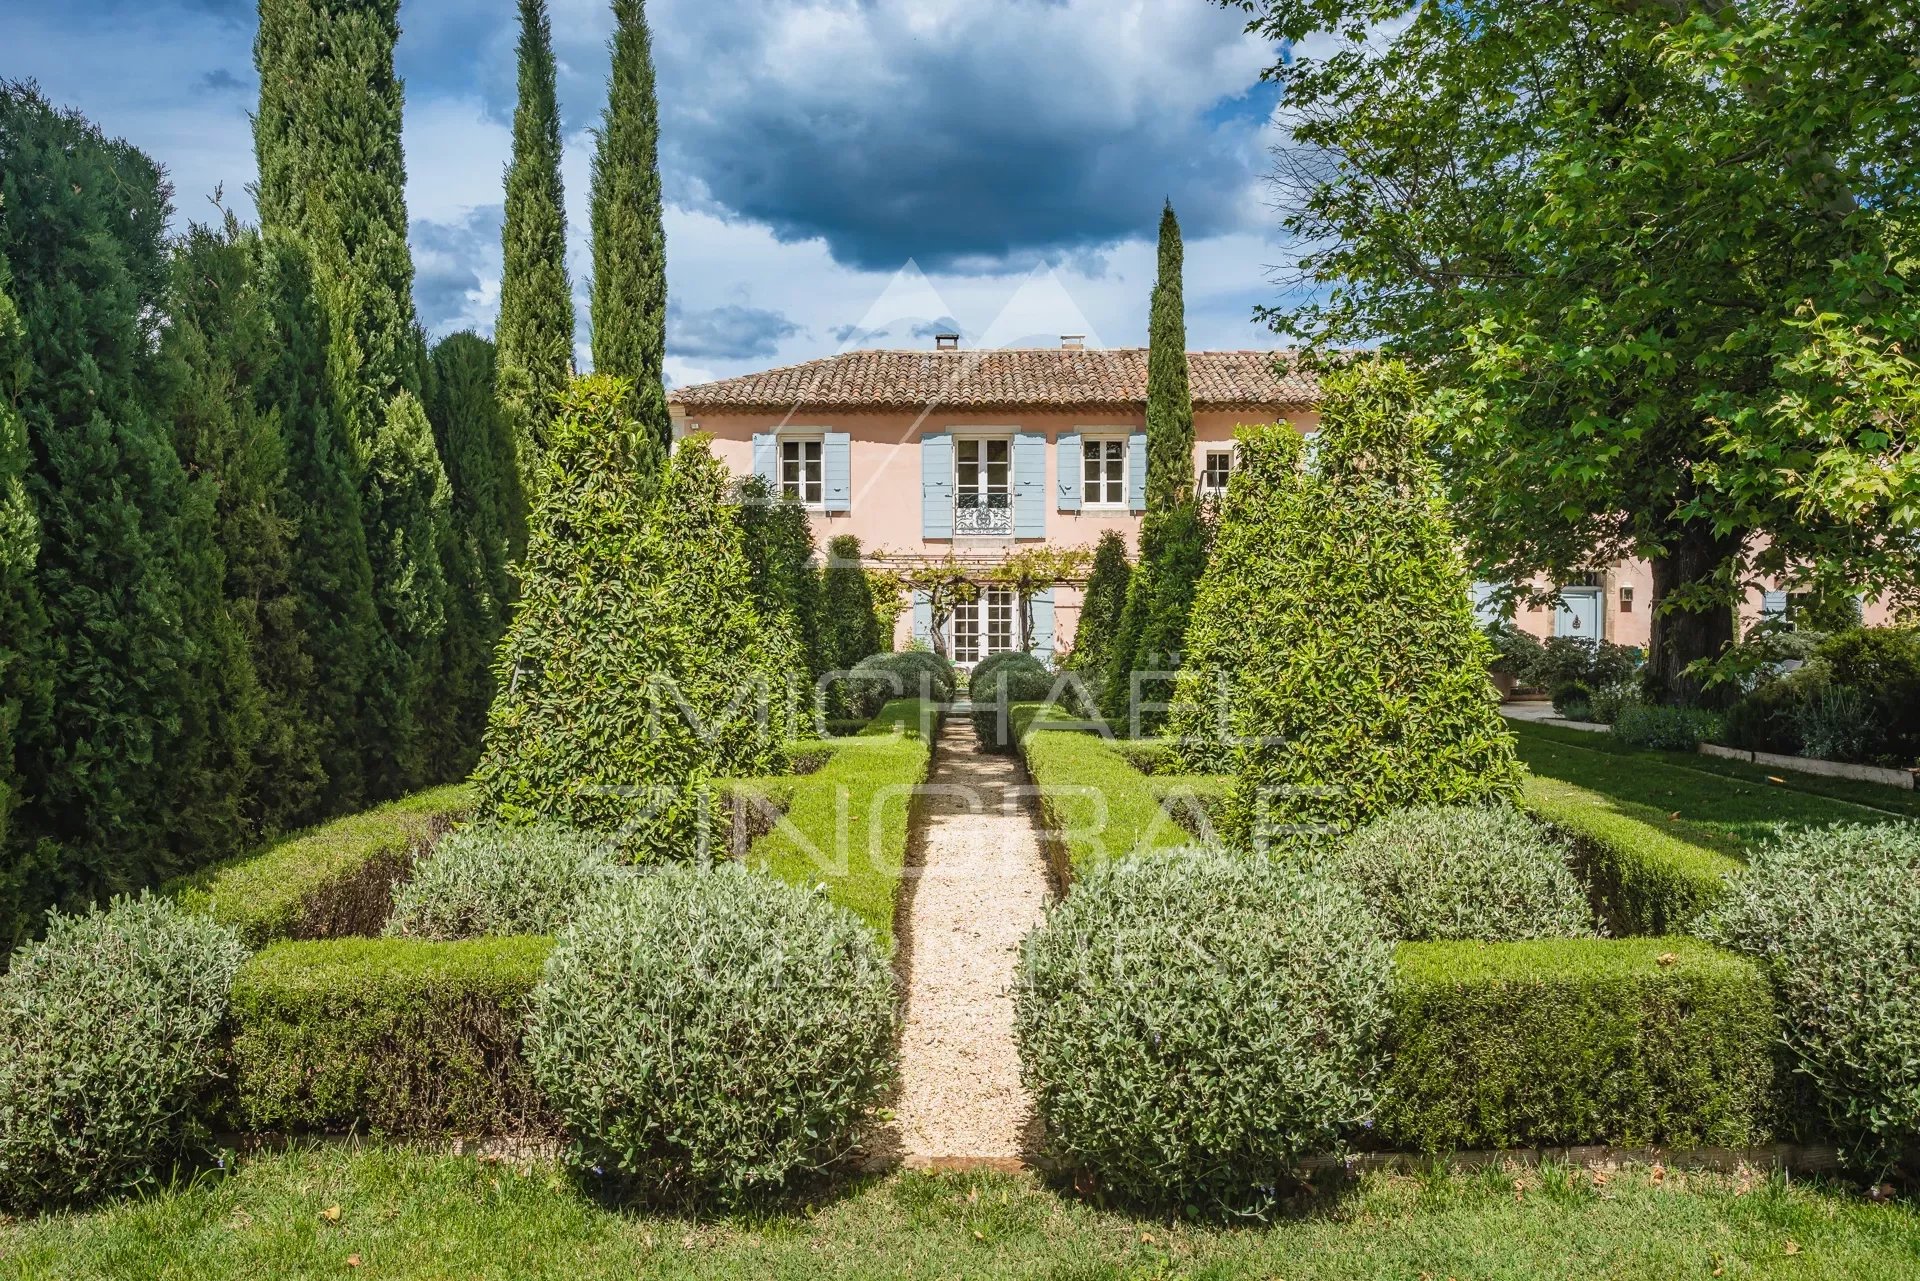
(386, 1036)
(1644, 880)
(1096, 804)
(845, 825)
(1561, 1042)
(331, 881)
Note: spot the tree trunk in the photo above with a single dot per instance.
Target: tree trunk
(1682, 636)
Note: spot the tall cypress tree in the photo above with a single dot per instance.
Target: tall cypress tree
(470, 428)
(1101, 605)
(1169, 397)
(629, 242)
(331, 577)
(134, 777)
(535, 330)
(25, 682)
(332, 174)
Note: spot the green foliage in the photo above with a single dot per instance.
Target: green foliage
(1570, 697)
(637, 669)
(849, 626)
(1575, 658)
(331, 880)
(1560, 1042)
(109, 1046)
(1516, 652)
(1191, 1026)
(1169, 399)
(1335, 664)
(1768, 717)
(712, 1033)
(1151, 640)
(845, 826)
(1834, 915)
(1884, 664)
(1095, 804)
(331, 576)
(777, 537)
(1464, 872)
(387, 1036)
(1670, 729)
(535, 328)
(996, 683)
(1647, 880)
(1499, 177)
(25, 685)
(135, 768)
(480, 880)
(1104, 600)
(1610, 702)
(629, 241)
(910, 673)
(475, 442)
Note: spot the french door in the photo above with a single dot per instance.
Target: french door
(988, 624)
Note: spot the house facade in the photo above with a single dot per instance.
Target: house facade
(926, 455)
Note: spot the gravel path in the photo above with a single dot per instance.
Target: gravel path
(982, 885)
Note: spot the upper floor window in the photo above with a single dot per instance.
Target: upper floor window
(983, 485)
(1218, 469)
(802, 474)
(1103, 471)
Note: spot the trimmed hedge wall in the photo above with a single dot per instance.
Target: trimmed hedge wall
(846, 824)
(1574, 1041)
(330, 881)
(1095, 803)
(1643, 880)
(387, 1036)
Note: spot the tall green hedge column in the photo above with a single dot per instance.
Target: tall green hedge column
(24, 684)
(629, 243)
(1335, 666)
(535, 330)
(332, 175)
(1169, 394)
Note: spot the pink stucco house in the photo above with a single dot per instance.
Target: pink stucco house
(931, 453)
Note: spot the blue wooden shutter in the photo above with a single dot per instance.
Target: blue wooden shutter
(922, 619)
(1042, 607)
(936, 485)
(836, 458)
(1067, 472)
(766, 459)
(1029, 486)
(1773, 604)
(1137, 472)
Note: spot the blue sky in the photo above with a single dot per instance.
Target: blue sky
(838, 172)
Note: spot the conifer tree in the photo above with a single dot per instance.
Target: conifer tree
(629, 241)
(1101, 605)
(849, 623)
(1169, 397)
(535, 329)
(330, 577)
(778, 540)
(25, 682)
(134, 774)
(332, 174)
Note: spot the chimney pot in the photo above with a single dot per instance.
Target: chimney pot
(1073, 342)
(946, 342)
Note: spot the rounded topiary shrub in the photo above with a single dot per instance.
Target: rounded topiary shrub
(909, 673)
(1191, 1025)
(1834, 914)
(109, 1044)
(493, 879)
(1024, 678)
(1464, 872)
(712, 1033)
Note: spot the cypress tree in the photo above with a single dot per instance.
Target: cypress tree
(25, 683)
(629, 241)
(471, 431)
(139, 772)
(332, 174)
(777, 538)
(330, 578)
(1101, 605)
(849, 623)
(535, 330)
(1169, 398)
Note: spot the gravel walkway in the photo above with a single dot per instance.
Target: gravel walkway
(981, 886)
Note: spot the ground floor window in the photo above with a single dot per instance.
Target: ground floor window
(988, 624)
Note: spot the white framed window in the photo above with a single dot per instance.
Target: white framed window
(987, 624)
(802, 469)
(983, 485)
(1103, 471)
(1215, 471)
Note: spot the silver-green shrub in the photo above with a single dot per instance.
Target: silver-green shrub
(1438, 872)
(502, 879)
(1667, 729)
(1192, 1024)
(110, 1039)
(711, 1033)
(1834, 913)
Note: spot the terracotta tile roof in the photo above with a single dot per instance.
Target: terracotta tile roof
(1003, 377)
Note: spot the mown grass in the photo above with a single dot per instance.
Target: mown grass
(405, 1214)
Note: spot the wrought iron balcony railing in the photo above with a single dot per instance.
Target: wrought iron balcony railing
(979, 513)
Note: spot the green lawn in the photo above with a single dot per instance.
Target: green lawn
(405, 1214)
(1724, 805)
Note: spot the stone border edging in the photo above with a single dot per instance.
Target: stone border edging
(1901, 778)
